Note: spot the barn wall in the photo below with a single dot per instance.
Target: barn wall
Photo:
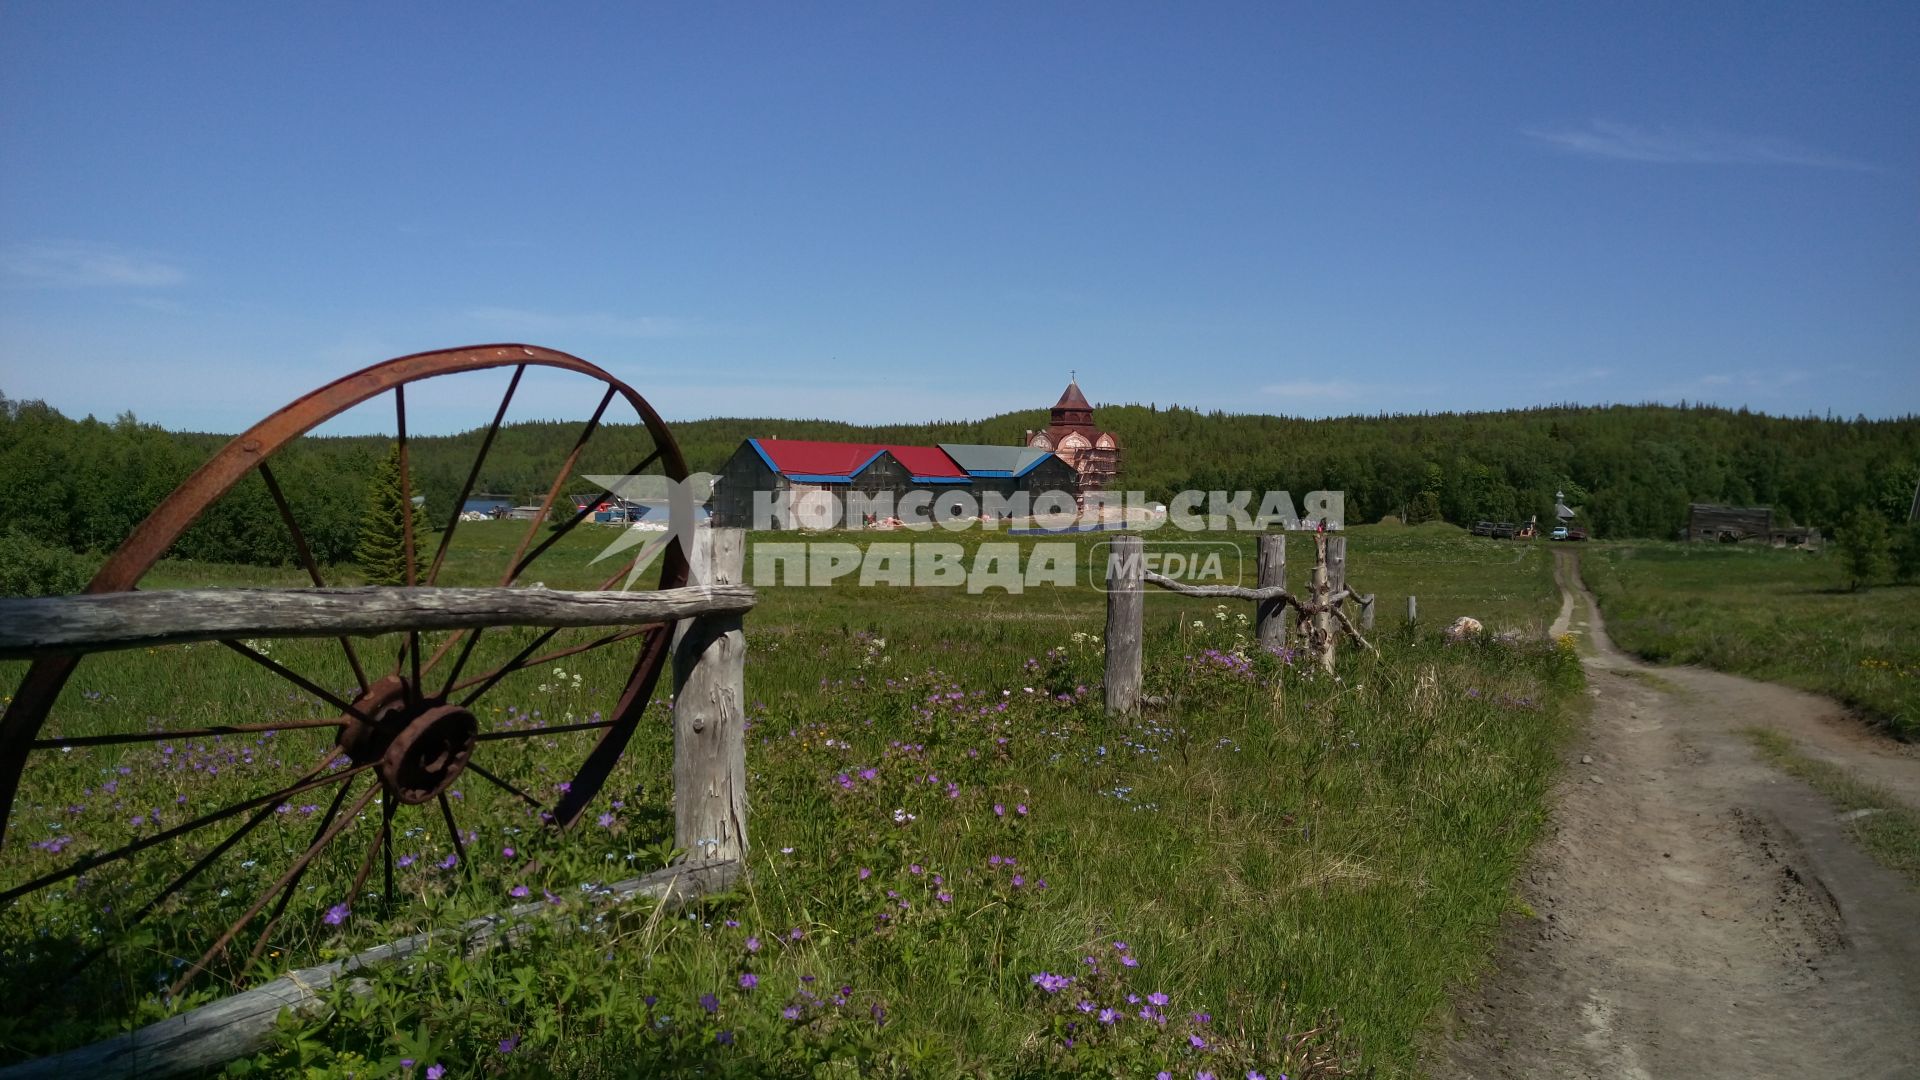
(743, 474)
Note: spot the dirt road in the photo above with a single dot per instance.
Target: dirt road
(1698, 913)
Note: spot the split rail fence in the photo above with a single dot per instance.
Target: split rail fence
(1319, 613)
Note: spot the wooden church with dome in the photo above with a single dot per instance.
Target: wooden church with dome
(1073, 436)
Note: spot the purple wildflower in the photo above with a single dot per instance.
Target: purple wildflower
(337, 914)
(749, 980)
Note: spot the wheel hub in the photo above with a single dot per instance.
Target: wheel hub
(417, 748)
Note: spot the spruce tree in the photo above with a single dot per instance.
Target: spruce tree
(382, 553)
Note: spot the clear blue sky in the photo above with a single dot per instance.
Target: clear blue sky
(908, 211)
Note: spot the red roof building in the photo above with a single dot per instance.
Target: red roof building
(838, 462)
(807, 484)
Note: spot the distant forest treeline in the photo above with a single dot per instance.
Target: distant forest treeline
(1631, 470)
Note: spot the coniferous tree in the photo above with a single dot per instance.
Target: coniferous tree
(382, 550)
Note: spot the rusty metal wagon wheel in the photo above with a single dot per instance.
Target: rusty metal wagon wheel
(411, 724)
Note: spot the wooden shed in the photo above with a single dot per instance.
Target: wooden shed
(1729, 524)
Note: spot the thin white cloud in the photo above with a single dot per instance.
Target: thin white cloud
(597, 324)
(1577, 378)
(1740, 385)
(1686, 146)
(1314, 390)
(73, 264)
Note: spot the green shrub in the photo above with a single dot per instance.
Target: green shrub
(29, 567)
(1864, 547)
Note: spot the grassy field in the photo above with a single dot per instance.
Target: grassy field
(1778, 615)
(960, 865)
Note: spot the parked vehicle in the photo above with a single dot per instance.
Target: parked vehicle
(1503, 530)
(1576, 534)
(1560, 532)
(1483, 528)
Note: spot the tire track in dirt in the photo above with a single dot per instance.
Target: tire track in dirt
(1697, 913)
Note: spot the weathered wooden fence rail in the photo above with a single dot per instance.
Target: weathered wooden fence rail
(67, 625)
(1318, 613)
(709, 768)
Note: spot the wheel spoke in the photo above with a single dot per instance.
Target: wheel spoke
(286, 895)
(557, 654)
(204, 820)
(533, 529)
(578, 516)
(411, 648)
(292, 874)
(379, 842)
(453, 829)
(307, 560)
(296, 679)
(183, 733)
(178, 883)
(389, 846)
(505, 786)
(534, 733)
(559, 481)
(627, 569)
(505, 669)
(473, 475)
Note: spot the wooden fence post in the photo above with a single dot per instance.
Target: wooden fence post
(1125, 602)
(1366, 614)
(1321, 641)
(709, 715)
(1413, 609)
(1336, 563)
(1271, 617)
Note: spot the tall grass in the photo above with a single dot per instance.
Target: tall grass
(1778, 615)
(941, 815)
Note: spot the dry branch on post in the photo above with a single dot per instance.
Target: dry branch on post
(1320, 613)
